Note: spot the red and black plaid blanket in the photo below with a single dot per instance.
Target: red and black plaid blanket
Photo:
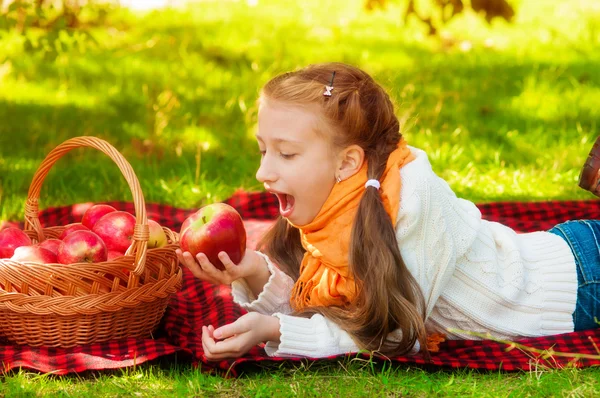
(200, 303)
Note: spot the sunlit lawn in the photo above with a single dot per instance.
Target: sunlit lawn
(346, 379)
(506, 112)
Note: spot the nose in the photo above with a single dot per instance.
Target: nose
(265, 172)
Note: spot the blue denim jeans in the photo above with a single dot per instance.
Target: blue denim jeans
(583, 236)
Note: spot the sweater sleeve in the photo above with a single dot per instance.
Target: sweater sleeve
(434, 228)
(314, 337)
(275, 296)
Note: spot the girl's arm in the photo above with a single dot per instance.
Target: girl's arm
(237, 338)
(286, 336)
(269, 293)
(249, 277)
(260, 275)
(252, 268)
(314, 337)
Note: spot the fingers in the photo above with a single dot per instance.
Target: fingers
(209, 345)
(217, 350)
(229, 341)
(190, 263)
(227, 263)
(226, 331)
(206, 341)
(209, 269)
(203, 269)
(225, 276)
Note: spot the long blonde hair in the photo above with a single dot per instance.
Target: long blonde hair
(359, 112)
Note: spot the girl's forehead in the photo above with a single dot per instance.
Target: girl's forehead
(282, 121)
(277, 110)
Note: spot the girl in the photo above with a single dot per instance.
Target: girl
(372, 250)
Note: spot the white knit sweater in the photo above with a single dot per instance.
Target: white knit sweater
(475, 275)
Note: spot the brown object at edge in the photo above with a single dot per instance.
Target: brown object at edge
(589, 179)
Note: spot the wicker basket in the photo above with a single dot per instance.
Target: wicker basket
(59, 305)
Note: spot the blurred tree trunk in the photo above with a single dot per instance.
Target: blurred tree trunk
(447, 9)
(71, 9)
(410, 10)
(32, 13)
(21, 16)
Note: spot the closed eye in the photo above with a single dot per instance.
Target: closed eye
(286, 156)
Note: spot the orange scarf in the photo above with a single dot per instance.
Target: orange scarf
(325, 278)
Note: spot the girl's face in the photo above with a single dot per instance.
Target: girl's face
(297, 164)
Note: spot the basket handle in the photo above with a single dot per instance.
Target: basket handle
(141, 231)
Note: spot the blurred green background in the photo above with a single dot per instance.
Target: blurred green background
(506, 110)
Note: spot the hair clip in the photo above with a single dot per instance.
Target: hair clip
(328, 89)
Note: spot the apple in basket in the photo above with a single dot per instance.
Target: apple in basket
(70, 228)
(157, 237)
(112, 254)
(94, 213)
(116, 230)
(51, 244)
(214, 228)
(10, 239)
(34, 254)
(81, 247)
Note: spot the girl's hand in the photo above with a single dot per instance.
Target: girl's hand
(237, 338)
(204, 270)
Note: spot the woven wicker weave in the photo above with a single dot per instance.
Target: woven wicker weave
(61, 305)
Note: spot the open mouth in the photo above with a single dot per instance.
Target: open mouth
(286, 204)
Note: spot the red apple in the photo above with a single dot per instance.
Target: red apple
(10, 239)
(157, 237)
(69, 228)
(186, 223)
(94, 213)
(51, 244)
(116, 230)
(34, 254)
(214, 228)
(112, 254)
(82, 246)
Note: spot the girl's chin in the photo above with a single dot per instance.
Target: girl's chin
(291, 216)
(296, 220)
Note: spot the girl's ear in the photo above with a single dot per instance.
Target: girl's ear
(350, 161)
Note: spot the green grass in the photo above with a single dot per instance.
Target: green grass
(512, 118)
(307, 379)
